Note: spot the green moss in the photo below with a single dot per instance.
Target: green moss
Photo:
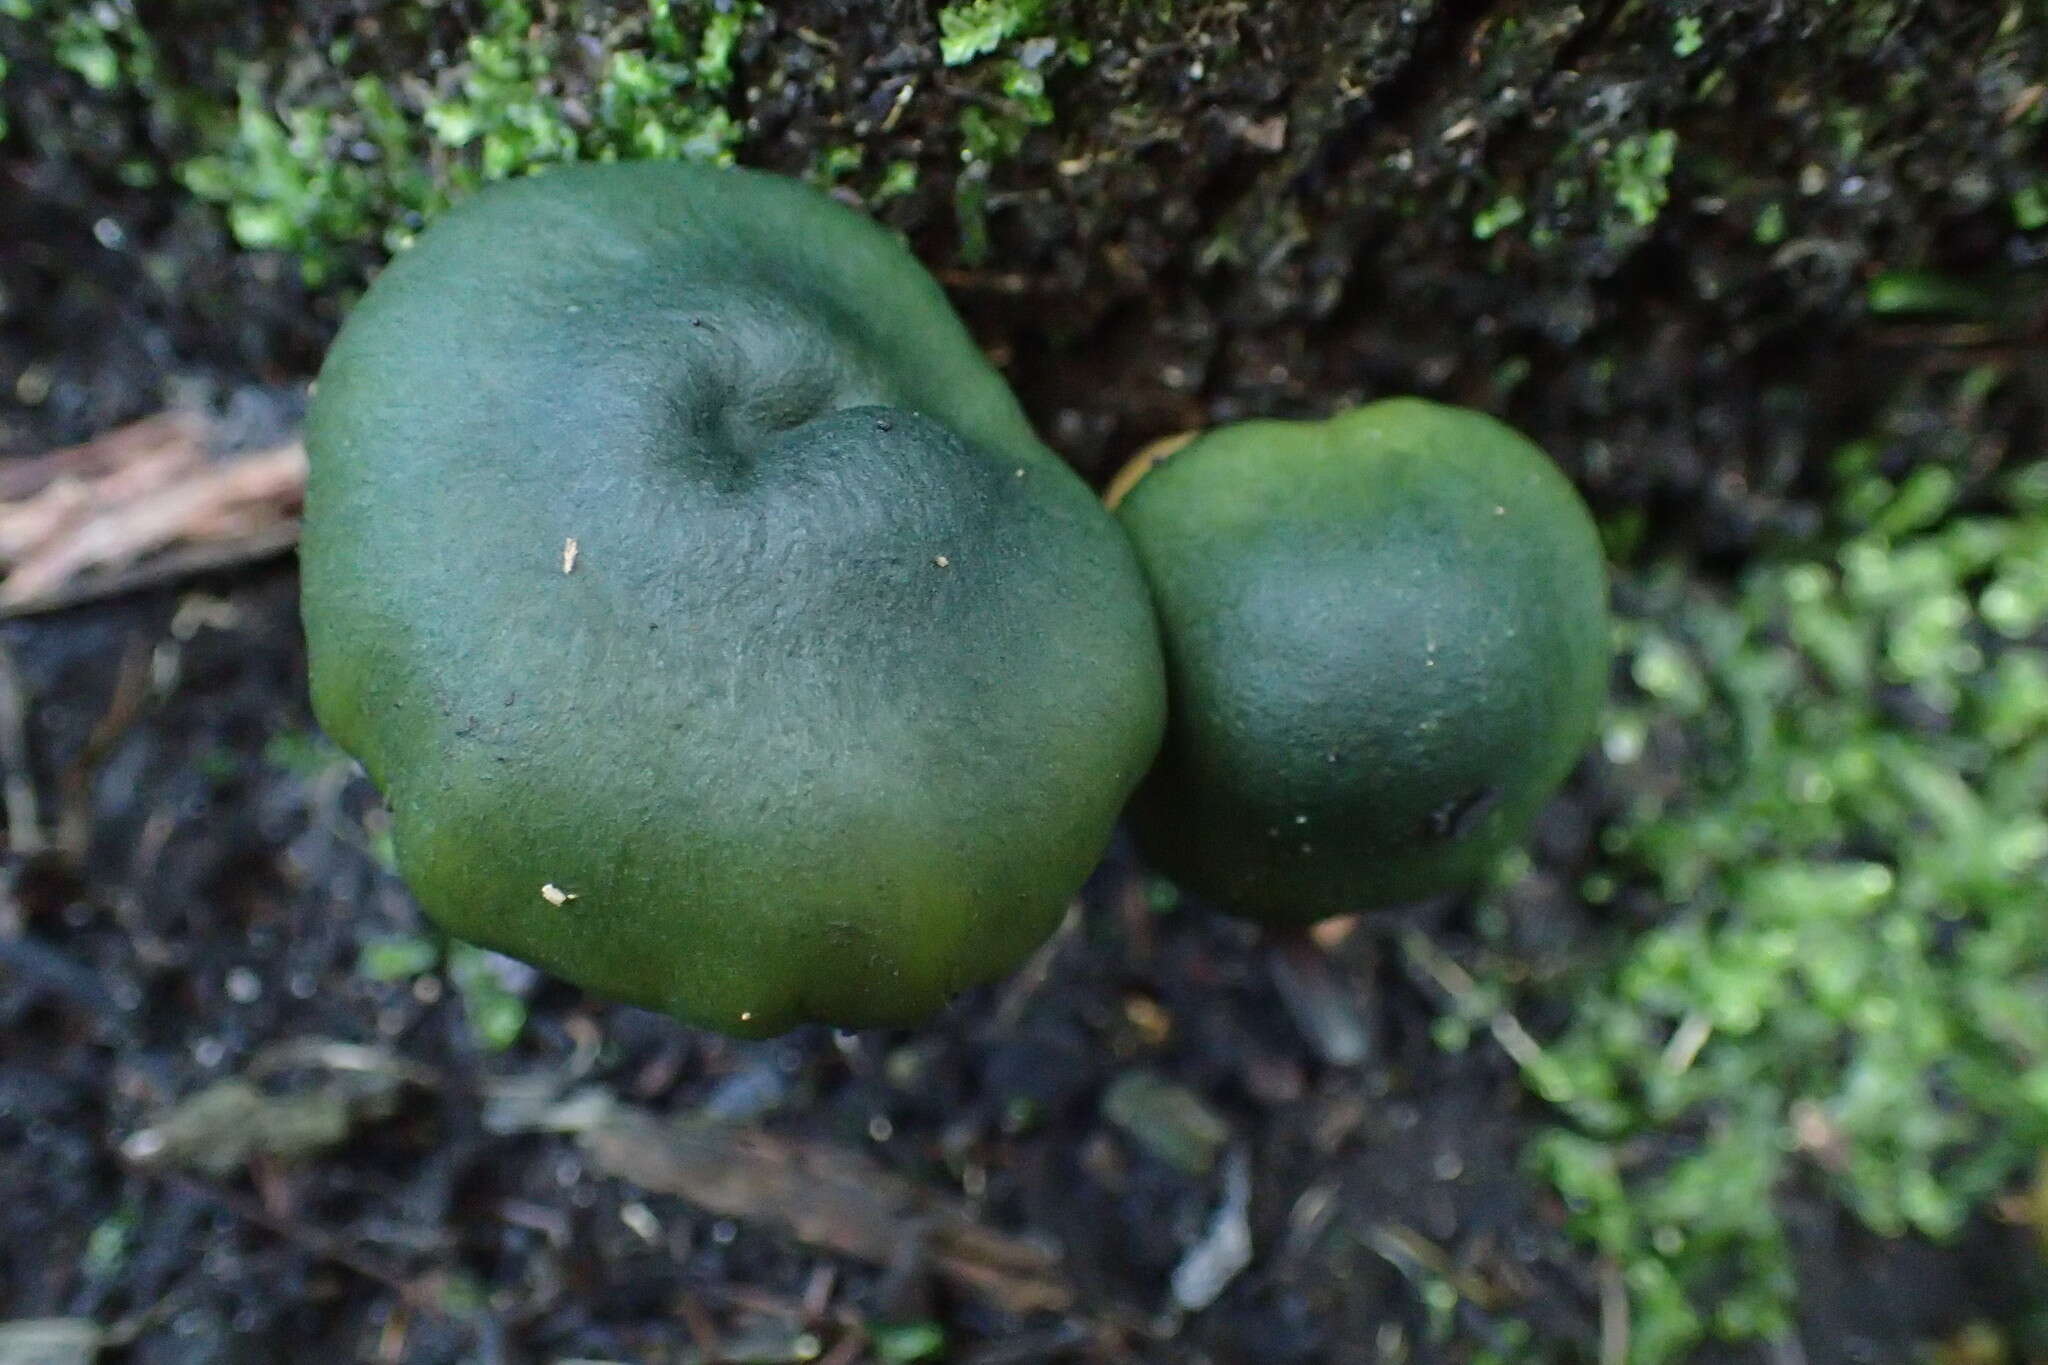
(834, 165)
(993, 130)
(975, 28)
(2030, 206)
(1770, 225)
(104, 44)
(1846, 975)
(1503, 212)
(1637, 174)
(346, 169)
(898, 179)
(370, 162)
(338, 154)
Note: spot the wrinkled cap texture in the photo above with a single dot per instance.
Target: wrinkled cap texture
(703, 605)
(1387, 643)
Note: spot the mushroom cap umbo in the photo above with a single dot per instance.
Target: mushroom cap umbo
(1387, 643)
(832, 702)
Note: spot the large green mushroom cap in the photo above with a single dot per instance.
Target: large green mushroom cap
(1387, 643)
(705, 608)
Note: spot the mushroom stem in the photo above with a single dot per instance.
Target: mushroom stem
(1143, 463)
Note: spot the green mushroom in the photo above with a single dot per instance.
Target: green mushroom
(718, 631)
(1387, 644)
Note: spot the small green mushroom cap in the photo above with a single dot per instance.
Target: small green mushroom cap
(701, 601)
(1387, 643)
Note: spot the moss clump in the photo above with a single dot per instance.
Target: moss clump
(992, 132)
(104, 45)
(373, 159)
(975, 28)
(1637, 174)
(1845, 975)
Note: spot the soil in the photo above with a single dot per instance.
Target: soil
(1155, 262)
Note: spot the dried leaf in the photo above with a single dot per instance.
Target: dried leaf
(219, 1129)
(828, 1197)
(1170, 1121)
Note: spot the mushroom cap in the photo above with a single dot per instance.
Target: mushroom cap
(1387, 643)
(701, 601)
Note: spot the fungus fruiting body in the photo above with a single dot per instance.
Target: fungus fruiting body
(667, 566)
(1386, 641)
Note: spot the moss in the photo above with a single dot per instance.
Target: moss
(1840, 962)
(1769, 229)
(345, 170)
(975, 28)
(336, 147)
(104, 45)
(898, 179)
(833, 165)
(1688, 35)
(993, 129)
(372, 161)
(1638, 172)
(2030, 206)
(1503, 212)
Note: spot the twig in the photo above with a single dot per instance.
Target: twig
(1786, 1350)
(825, 1196)
(42, 966)
(74, 784)
(171, 567)
(1225, 1250)
(332, 1054)
(391, 1341)
(419, 1295)
(49, 517)
(230, 501)
(1614, 1325)
(703, 1331)
(24, 478)
(129, 1329)
(1007, 282)
(1455, 982)
(140, 505)
(1031, 977)
(1415, 1256)
(1687, 1039)
(18, 788)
